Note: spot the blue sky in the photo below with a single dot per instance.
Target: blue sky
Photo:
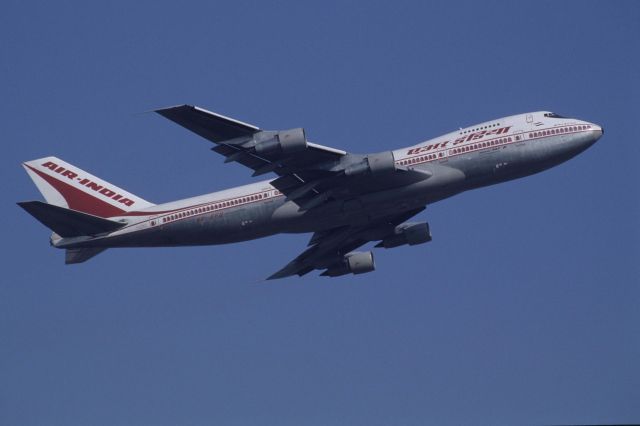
(523, 309)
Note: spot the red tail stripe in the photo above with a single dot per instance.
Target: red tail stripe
(80, 200)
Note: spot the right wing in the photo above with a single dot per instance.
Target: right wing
(328, 249)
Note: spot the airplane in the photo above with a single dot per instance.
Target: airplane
(345, 200)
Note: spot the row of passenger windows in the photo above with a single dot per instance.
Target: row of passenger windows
(459, 150)
(421, 159)
(467, 148)
(558, 131)
(481, 145)
(480, 128)
(213, 207)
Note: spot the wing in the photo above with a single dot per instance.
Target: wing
(328, 249)
(309, 174)
(260, 150)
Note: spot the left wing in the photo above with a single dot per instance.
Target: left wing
(329, 250)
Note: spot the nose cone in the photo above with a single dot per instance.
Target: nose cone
(590, 137)
(597, 131)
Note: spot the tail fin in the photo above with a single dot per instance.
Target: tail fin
(68, 223)
(65, 185)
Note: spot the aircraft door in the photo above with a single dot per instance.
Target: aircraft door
(518, 138)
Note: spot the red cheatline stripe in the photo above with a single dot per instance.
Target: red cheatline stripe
(79, 200)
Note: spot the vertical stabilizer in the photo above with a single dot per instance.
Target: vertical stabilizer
(65, 185)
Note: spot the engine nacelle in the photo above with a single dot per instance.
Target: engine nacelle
(284, 142)
(375, 164)
(357, 262)
(410, 233)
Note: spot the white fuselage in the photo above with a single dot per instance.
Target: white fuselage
(480, 155)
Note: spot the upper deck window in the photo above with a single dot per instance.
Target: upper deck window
(553, 115)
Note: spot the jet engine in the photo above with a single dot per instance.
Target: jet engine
(284, 142)
(410, 233)
(357, 262)
(375, 164)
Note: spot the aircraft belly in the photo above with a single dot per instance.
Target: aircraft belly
(500, 164)
(444, 182)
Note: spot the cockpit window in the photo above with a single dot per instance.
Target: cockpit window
(553, 115)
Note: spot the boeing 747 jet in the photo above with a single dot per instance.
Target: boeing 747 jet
(346, 200)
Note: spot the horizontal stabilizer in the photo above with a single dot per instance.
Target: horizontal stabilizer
(66, 222)
(81, 255)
